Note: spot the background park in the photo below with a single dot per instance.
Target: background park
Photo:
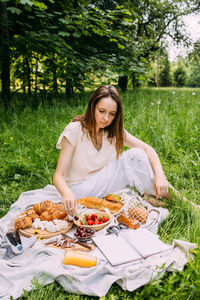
(53, 55)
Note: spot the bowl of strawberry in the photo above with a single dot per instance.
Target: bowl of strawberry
(93, 220)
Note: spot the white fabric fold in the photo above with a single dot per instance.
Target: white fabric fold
(46, 264)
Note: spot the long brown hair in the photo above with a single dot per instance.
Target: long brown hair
(115, 129)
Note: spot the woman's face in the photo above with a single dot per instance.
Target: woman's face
(105, 112)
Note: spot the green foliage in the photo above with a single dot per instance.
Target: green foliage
(165, 76)
(167, 119)
(194, 79)
(59, 45)
(180, 76)
(194, 58)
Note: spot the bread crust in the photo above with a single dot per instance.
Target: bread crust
(101, 204)
(45, 211)
(132, 223)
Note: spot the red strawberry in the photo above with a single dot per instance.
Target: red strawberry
(90, 222)
(105, 219)
(88, 218)
(94, 216)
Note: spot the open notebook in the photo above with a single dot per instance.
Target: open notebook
(129, 246)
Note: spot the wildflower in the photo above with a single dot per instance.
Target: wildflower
(193, 94)
(11, 138)
(188, 101)
(36, 232)
(158, 102)
(152, 103)
(4, 143)
(173, 92)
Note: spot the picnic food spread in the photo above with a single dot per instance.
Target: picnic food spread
(49, 220)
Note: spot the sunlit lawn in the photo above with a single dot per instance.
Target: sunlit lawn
(167, 119)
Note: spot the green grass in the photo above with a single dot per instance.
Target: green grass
(167, 119)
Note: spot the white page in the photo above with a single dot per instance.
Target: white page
(144, 241)
(116, 249)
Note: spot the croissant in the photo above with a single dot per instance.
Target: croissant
(42, 206)
(45, 210)
(58, 214)
(101, 204)
(33, 216)
(46, 216)
(23, 222)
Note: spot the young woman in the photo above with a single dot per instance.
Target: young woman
(92, 161)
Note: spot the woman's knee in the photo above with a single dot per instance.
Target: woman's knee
(137, 153)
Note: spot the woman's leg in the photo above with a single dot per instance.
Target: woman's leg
(131, 169)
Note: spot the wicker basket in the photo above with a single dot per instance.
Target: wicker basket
(133, 208)
(94, 227)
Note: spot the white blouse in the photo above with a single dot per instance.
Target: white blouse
(86, 158)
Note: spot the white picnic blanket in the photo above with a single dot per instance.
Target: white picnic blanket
(46, 264)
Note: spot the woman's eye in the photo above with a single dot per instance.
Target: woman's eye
(101, 111)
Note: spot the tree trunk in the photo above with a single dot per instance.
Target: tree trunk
(24, 77)
(55, 85)
(123, 82)
(28, 75)
(36, 75)
(5, 55)
(157, 75)
(68, 88)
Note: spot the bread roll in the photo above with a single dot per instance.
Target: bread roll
(101, 204)
(132, 223)
(139, 213)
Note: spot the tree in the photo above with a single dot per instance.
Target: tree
(70, 40)
(180, 76)
(194, 58)
(158, 19)
(165, 77)
(194, 79)
(5, 55)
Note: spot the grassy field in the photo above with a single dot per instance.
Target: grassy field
(167, 119)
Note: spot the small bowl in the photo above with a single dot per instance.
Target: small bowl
(84, 239)
(95, 227)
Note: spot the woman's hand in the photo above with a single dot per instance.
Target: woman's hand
(69, 203)
(161, 186)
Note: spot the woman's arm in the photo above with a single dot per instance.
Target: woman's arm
(160, 182)
(63, 166)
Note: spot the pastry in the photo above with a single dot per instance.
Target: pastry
(23, 222)
(45, 211)
(44, 205)
(33, 216)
